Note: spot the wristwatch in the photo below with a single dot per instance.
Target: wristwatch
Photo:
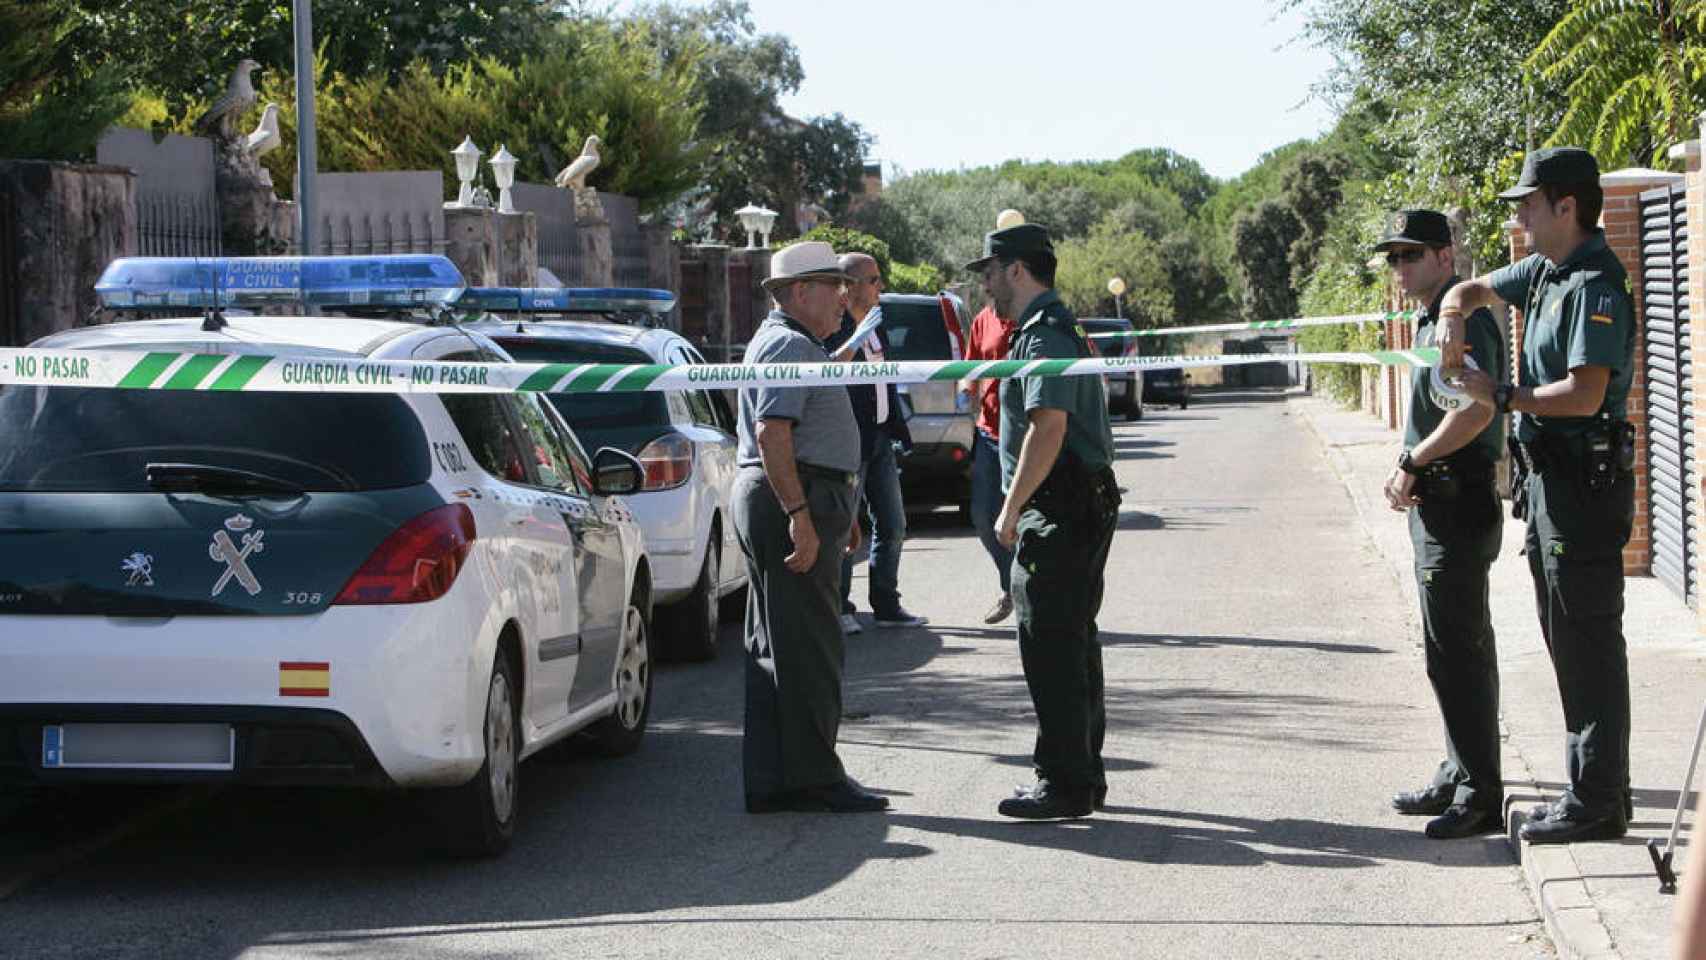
(1502, 397)
(1408, 465)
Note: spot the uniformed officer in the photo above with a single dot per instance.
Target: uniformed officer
(1444, 478)
(793, 512)
(1058, 517)
(1569, 397)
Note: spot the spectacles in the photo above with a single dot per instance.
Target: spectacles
(1413, 255)
(874, 281)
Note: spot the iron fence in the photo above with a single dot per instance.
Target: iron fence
(177, 224)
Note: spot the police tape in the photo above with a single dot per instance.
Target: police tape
(264, 373)
(1290, 324)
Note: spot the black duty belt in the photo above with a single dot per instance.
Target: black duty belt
(826, 473)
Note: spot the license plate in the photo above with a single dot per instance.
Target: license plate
(138, 746)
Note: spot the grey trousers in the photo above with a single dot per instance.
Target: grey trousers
(794, 645)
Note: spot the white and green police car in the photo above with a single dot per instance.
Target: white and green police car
(401, 590)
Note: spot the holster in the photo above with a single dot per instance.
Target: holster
(1521, 467)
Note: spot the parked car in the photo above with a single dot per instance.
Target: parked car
(1125, 390)
(686, 442)
(412, 590)
(925, 327)
(1168, 385)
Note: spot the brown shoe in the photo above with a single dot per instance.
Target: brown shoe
(1002, 609)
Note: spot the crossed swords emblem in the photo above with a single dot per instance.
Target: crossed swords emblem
(236, 560)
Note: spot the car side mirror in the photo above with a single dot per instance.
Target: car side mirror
(615, 472)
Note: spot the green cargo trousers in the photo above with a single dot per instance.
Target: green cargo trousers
(1455, 542)
(1057, 578)
(1575, 556)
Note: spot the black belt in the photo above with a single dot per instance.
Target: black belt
(839, 476)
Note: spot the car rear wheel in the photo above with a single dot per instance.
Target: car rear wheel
(479, 816)
(621, 732)
(691, 624)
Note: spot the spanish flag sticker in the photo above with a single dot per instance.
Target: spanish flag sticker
(1600, 318)
(297, 679)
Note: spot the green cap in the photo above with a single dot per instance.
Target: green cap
(1012, 243)
(1555, 165)
(1427, 228)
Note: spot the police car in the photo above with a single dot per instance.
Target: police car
(684, 439)
(379, 589)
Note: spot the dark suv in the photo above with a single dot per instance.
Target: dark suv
(1168, 385)
(926, 327)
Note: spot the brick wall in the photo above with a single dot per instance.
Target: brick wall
(1621, 220)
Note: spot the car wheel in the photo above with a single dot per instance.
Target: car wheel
(621, 732)
(1183, 404)
(692, 624)
(479, 816)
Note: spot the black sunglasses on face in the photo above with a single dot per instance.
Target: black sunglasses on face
(1413, 255)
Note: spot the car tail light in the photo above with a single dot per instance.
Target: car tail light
(667, 462)
(951, 322)
(418, 562)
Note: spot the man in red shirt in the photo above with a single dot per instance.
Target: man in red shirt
(989, 338)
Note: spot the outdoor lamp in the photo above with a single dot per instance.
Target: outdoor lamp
(467, 168)
(503, 171)
(1008, 218)
(756, 221)
(1116, 286)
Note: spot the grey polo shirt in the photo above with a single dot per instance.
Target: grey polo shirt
(825, 433)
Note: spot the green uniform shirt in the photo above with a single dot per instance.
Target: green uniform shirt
(1575, 314)
(1487, 347)
(1048, 330)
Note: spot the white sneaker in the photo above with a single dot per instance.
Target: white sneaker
(850, 624)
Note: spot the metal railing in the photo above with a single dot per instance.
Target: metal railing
(177, 225)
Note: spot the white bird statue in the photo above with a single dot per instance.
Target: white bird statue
(238, 97)
(265, 137)
(573, 176)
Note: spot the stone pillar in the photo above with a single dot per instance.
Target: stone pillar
(518, 249)
(663, 267)
(471, 242)
(719, 333)
(757, 300)
(60, 225)
(1622, 222)
(598, 260)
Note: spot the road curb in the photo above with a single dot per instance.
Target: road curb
(1552, 874)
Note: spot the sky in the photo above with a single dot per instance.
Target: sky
(945, 84)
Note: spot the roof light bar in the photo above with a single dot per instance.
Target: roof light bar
(567, 300)
(210, 283)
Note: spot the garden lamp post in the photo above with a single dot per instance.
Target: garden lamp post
(1116, 286)
(467, 158)
(307, 206)
(757, 222)
(503, 172)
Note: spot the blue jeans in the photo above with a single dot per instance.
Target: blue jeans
(986, 501)
(879, 482)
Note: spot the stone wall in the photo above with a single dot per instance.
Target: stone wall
(68, 221)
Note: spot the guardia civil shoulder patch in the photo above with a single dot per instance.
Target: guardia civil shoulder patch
(1602, 311)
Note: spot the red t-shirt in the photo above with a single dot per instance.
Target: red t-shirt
(990, 336)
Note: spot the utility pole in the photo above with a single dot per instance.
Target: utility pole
(306, 142)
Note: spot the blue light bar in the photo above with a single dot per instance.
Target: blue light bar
(203, 283)
(567, 300)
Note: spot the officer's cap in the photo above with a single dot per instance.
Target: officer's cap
(1012, 243)
(1427, 228)
(1556, 165)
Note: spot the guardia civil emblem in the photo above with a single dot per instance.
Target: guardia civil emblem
(1400, 223)
(236, 559)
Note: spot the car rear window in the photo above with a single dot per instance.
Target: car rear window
(587, 411)
(1112, 346)
(915, 332)
(70, 439)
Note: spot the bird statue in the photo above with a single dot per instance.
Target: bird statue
(265, 137)
(238, 97)
(573, 176)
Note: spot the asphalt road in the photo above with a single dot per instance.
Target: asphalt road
(1265, 695)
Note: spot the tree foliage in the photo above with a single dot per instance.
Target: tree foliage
(1636, 75)
(1088, 263)
(50, 108)
(1262, 240)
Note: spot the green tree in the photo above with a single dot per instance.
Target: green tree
(51, 107)
(1262, 240)
(1088, 263)
(1636, 75)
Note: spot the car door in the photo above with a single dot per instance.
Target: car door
(715, 453)
(597, 547)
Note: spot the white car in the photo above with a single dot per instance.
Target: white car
(289, 588)
(686, 442)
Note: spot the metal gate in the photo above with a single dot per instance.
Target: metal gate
(1672, 488)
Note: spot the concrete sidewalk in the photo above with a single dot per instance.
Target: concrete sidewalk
(1600, 900)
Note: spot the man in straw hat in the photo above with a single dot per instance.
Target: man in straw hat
(793, 513)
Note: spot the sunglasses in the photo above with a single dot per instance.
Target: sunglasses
(1413, 255)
